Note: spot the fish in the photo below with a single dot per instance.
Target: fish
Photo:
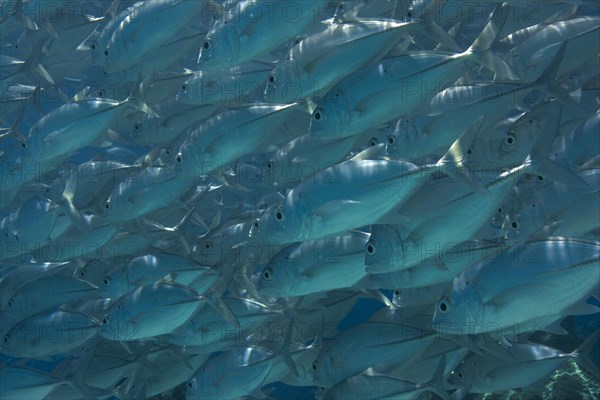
(48, 333)
(315, 266)
(133, 38)
(251, 28)
(349, 108)
(130, 318)
(533, 362)
(229, 135)
(317, 199)
(313, 65)
(477, 301)
(234, 372)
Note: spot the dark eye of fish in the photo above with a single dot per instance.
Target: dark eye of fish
(267, 275)
(371, 249)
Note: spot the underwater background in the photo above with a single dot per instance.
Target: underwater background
(295, 199)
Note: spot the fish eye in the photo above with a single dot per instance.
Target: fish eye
(93, 46)
(315, 366)
(184, 87)
(206, 44)
(396, 292)
(391, 139)
(100, 93)
(510, 140)
(167, 151)
(460, 375)
(207, 245)
(444, 306)
(107, 205)
(256, 224)
(409, 14)
(318, 114)
(82, 273)
(279, 216)
(373, 142)
(106, 52)
(179, 159)
(104, 321)
(24, 145)
(470, 151)
(267, 274)
(540, 178)
(106, 281)
(272, 78)
(270, 165)
(10, 303)
(371, 249)
(514, 225)
(6, 338)
(137, 126)
(190, 385)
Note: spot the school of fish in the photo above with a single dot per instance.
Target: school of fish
(303, 199)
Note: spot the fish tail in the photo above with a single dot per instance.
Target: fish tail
(452, 163)
(538, 160)
(582, 354)
(22, 17)
(135, 98)
(32, 65)
(548, 83)
(436, 384)
(481, 47)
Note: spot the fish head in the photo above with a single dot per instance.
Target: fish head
(14, 340)
(113, 207)
(331, 118)
(279, 223)
(196, 387)
(272, 281)
(115, 284)
(517, 61)
(384, 247)
(221, 46)
(209, 250)
(16, 308)
(323, 369)
(188, 158)
(462, 377)
(30, 147)
(283, 83)
(460, 308)
(406, 137)
(281, 171)
(113, 55)
(188, 92)
(116, 324)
